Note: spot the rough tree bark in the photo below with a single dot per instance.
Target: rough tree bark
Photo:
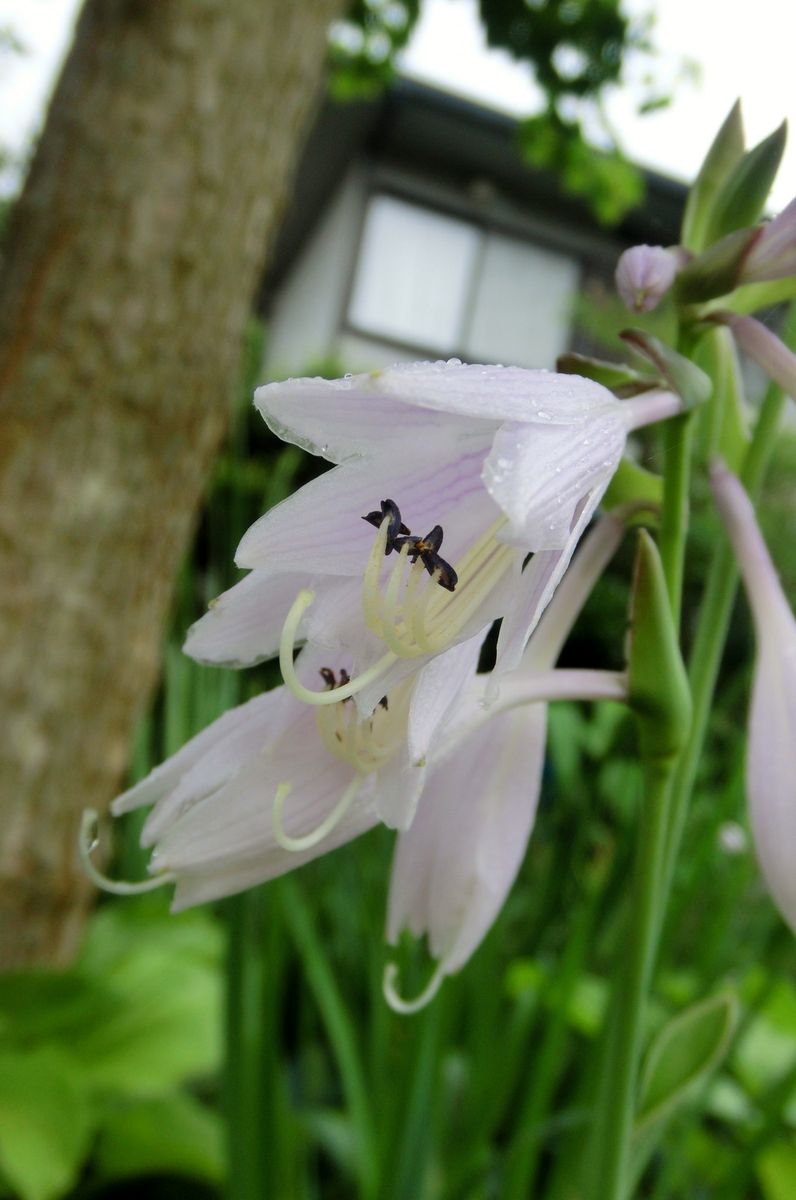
(130, 265)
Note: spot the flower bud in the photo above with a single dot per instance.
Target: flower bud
(772, 255)
(644, 275)
(771, 750)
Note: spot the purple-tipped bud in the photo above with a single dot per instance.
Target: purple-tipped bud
(771, 750)
(644, 275)
(765, 348)
(772, 255)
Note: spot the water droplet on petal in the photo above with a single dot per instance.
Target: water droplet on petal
(454, 362)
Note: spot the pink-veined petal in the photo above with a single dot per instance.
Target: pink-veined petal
(320, 528)
(243, 625)
(539, 476)
(539, 582)
(254, 718)
(353, 417)
(235, 822)
(439, 687)
(494, 393)
(455, 865)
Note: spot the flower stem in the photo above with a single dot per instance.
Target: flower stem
(712, 627)
(613, 1124)
(678, 437)
(244, 1098)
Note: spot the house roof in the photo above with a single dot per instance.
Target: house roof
(456, 142)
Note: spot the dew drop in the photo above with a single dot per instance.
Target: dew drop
(454, 362)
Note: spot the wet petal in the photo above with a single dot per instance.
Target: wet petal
(495, 393)
(539, 582)
(539, 476)
(352, 417)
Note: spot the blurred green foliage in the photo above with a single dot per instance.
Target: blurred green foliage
(574, 51)
(110, 1073)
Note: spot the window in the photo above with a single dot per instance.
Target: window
(438, 283)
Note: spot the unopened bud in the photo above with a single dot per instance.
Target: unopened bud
(644, 274)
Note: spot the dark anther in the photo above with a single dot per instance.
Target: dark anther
(383, 703)
(329, 678)
(426, 549)
(396, 526)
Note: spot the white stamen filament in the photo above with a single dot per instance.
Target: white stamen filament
(424, 620)
(87, 841)
(330, 822)
(406, 1007)
(365, 744)
(287, 645)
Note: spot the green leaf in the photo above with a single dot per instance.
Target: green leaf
(45, 1122)
(743, 196)
(776, 1170)
(168, 1134)
(721, 159)
(680, 373)
(683, 1053)
(163, 976)
(632, 484)
(618, 377)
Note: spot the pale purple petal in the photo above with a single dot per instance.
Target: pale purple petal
(494, 393)
(770, 609)
(438, 690)
(353, 417)
(235, 822)
(397, 791)
(644, 274)
(585, 569)
(320, 528)
(773, 253)
(539, 582)
(244, 624)
(771, 771)
(538, 476)
(455, 866)
(766, 349)
(252, 717)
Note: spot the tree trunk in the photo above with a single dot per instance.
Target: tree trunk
(130, 265)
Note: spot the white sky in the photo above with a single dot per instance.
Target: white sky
(743, 50)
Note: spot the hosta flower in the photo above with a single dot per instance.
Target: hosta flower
(644, 274)
(763, 347)
(771, 750)
(480, 466)
(772, 254)
(456, 864)
(274, 782)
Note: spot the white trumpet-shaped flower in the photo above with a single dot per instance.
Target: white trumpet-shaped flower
(455, 866)
(274, 783)
(460, 472)
(771, 749)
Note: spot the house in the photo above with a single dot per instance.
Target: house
(416, 230)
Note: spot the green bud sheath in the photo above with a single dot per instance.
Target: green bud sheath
(658, 686)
